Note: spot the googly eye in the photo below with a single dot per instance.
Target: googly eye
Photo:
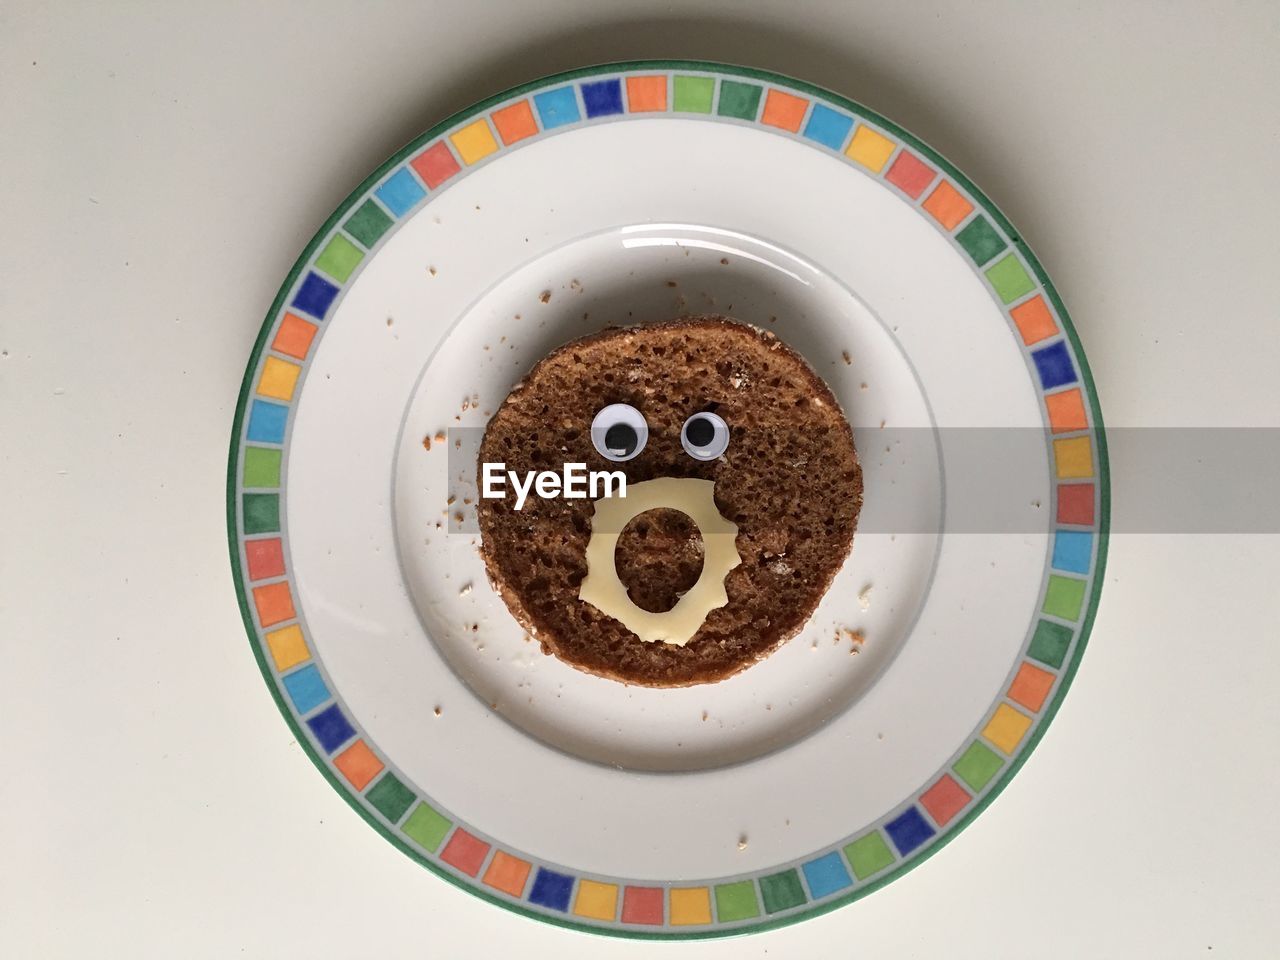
(619, 432)
(705, 436)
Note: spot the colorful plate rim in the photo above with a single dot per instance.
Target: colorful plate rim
(942, 819)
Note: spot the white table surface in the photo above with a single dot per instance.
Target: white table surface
(162, 167)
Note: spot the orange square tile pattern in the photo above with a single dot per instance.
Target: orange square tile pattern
(358, 764)
(515, 122)
(947, 205)
(784, 111)
(647, 94)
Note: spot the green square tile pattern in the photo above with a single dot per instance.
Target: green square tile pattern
(980, 240)
(368, 223)
(390, 797)
(736, 901)
(426, 827)
(1010, 278)
(1064, 597)
(339, 258)
(781, 891)
(261, 467)
(694, 94)
(868, 855)
(261, 512)
(977, 765)
(1049, 643)
(740, 100)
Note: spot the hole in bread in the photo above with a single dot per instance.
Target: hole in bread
(659, 558)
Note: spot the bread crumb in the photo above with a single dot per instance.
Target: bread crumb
(742, 842)
(449, 502)
(704, 716)
(431, 270)
(724, 261)
(438, 711)
(458, 517)
(426, 442)
(844, 355)
(773, 319)
(390, 321)
(864, 597)
(466, 588)
(862, 385)
(439, 436)
(672, 283)
(543, 297)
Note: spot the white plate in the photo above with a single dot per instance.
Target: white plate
(807, 780)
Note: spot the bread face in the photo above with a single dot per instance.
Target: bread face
(789, 480)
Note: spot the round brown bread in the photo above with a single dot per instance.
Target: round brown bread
(789, 479)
